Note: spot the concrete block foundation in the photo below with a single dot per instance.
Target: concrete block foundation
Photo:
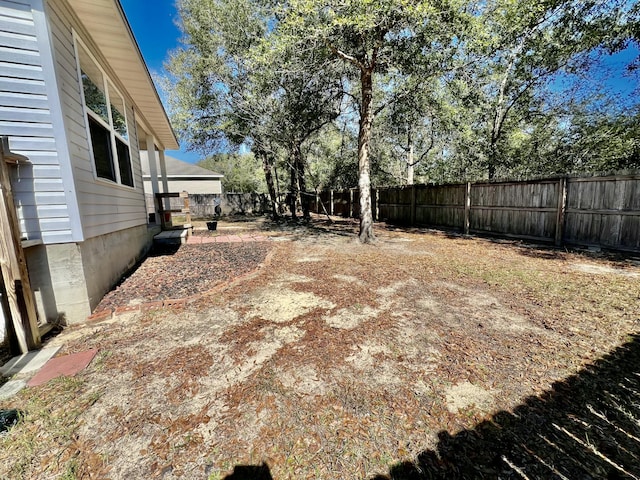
(70, 279)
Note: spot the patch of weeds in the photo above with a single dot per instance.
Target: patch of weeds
(99, 361)
(71, 472)
(44, 441)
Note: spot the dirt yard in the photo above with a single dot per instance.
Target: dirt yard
(426, 355)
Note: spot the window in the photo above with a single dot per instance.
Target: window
(106, 122)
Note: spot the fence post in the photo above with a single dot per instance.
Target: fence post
(467, 209)
(562, 205)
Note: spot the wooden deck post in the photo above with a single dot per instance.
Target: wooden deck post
(153, 173)
(22, 306)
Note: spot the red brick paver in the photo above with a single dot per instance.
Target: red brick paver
(199, 239)
(67, 365)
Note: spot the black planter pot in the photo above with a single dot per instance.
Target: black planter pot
(212, 225)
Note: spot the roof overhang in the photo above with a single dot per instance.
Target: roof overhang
(107, 24)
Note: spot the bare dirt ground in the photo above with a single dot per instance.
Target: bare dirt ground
(425, 355)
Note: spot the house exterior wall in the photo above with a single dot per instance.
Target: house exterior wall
(70, 279)
(200, 187)
(92, 230)
(105, 207)
(44, 191)
(128, 247)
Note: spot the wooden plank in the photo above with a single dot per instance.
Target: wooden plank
(34, 144)
(31, 115)
(604, 179)
(585, 211)
(435, 207)
(514, 209)
(172, 195)
(26, 129)
(14, 267)
(21, 72)
(17, 25)
(21, 10)
(8, 99)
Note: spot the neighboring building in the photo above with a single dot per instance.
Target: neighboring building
(184, 177)
(77, 100)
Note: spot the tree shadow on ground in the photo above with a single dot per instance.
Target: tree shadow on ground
(161, 250)
(543, 253)
(299, 228)
(585, 427)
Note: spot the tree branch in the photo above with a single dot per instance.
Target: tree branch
(345, 56)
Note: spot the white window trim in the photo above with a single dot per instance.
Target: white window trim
(113, 134)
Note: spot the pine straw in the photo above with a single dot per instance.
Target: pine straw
(423, 356)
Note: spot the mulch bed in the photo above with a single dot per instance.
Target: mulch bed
(174, 273)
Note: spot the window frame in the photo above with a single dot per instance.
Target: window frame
(108, 88)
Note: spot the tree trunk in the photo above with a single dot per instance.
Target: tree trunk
(364, 138)
(267, 165)
(410, 161)
(302, 182)
(491, 171)
(293, 185)
(493, 159)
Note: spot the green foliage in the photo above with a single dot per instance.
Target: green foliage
(242, 172)
(332, 159)
(328, 94)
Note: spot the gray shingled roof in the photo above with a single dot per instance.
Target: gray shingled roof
(177, 168)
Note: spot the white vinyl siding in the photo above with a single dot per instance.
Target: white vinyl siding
(26, 116)
(105, 207)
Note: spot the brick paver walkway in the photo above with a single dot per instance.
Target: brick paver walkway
(198, 239)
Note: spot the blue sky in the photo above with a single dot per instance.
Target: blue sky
(157, 34)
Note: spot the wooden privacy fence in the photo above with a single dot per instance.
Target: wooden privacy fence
(204, 205)
(594, 211)
(342, 203)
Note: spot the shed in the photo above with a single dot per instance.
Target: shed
(184, 177)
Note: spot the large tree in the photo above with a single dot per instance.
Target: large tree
(371, 37)
(232, 86)
(214, 99)
(308, 93)
(524, 47)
